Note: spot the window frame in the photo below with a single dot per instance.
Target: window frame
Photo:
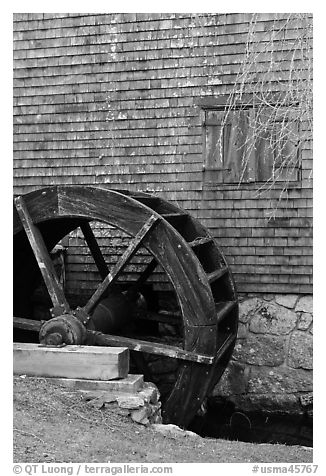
(215, 177)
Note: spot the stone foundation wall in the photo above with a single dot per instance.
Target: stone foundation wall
(271, 367)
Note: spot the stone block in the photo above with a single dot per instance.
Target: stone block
(248, 307)
(304, 321)
(301, 350)
(305, 304)
(261, 350)
(286, 300)
(279, 381)
(273, 319)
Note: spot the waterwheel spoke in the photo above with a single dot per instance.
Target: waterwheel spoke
(42, 257)
(27, 324)
(120, 265)
(149, 347)
(94, 249)
(134, 288)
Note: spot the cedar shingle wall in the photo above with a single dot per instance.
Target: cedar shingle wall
(113, 99)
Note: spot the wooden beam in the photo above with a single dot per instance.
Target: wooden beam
(131, 384)
(123, 260)
(27, 324)
(71, 361)
(42, 256)
(149, 347)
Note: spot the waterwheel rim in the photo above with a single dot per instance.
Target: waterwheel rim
(205, 291)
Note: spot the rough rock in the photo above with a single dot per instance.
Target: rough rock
(173, 431)
(306, 400)
(247, 308)
(301, 350)
(273, 319)
(286, 300)
(234, 380)
(261, 350)
(97, 403)
(268, 297)
(107, 397)
(156, 418)
(142, 415)
(305, 304)
(150, 393)
(242, 331)
(279, 381)
(130, 401)
(282, 403)
(304, 321)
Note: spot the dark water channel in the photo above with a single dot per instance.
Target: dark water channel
(225, 422)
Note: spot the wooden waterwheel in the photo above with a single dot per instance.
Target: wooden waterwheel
(176, 242)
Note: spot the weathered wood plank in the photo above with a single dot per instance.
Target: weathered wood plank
(197, 305)
(71, 361)
(149, 347)
(130, 384)
(183, 401)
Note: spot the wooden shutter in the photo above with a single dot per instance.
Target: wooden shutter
(277, 153)
(238, 154)
(214, 140)
(244, 146)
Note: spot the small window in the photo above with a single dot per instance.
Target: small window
(245, 145)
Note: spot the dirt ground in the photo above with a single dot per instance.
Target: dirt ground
(55, 424)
